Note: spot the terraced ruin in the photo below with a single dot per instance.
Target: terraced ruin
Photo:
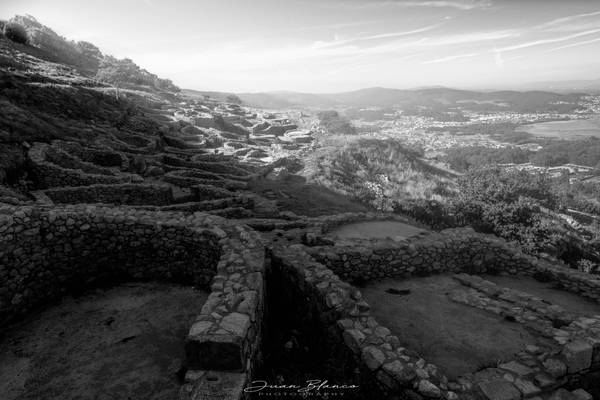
(196, 193)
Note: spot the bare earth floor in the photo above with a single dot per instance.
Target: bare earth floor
(121, 343)
(455, 337)
(375, 230)
(547, 291)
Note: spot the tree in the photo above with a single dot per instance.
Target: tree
(335, 124)
(494, 184)
(125, 73)
(232, 98)
(16, 33)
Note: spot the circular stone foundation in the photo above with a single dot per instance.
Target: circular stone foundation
(375, 230)
(121, 343)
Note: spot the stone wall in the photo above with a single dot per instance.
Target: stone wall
(215, 167)
(48, 174)
(180, 178)
(124, 193)
(210, 192)
(224, 346)
(65, 160)
(451, 250)
(392, 370)
(47, 252)
(211, 175)
(118, 145)
(98, 156)
(133, 140)
(386, 368)
(571, 361)
(241, 201)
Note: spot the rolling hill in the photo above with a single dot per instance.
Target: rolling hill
(435, 98)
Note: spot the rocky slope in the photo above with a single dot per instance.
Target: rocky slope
(74, 118)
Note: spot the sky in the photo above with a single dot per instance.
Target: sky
(337, 45)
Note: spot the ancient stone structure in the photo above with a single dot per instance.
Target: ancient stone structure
(133, 205)
(49, 251)
(124, 193)
(317, 275)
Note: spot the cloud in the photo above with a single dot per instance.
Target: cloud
(464, 5)
(330, 26)
(451, 58)
(461, 5)
(548, 41)
(473, 37)
(498, 59)
(339, 42)
(574, 45)
(561, 24)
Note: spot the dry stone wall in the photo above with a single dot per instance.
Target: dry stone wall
(189, 181)
(392, 370)
(68, 161)
(319, 272)
(386, 368)
(215, 167)
(47, 252)
(104, 157)
(125, 193)
(451, 250)
(48, 174)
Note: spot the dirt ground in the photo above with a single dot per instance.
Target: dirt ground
(548, 291)
(121, 343)
(375, 230)
(455, 337)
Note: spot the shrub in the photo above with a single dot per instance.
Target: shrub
(429, 212)
(232, 98)
(16, 33)
(336, 124)
(587, 266)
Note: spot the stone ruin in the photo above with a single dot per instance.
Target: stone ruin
(128, 208)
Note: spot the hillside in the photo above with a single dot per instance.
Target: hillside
(88, 60)
(376, 172)
(54, 96)
(436, 98)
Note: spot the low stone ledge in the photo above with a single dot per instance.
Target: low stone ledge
(101, 156)
(47, 174)
(271, 224)
(227, 333)
(223, 352)
(210, 192)
(452, 250)
(215, 167)
(189, 181)
(242, 201)
(221, 385)
(119, 194)
(195, 173)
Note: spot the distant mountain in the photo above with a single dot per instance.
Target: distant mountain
(435, 98)
(270, 100)
(588, 86)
